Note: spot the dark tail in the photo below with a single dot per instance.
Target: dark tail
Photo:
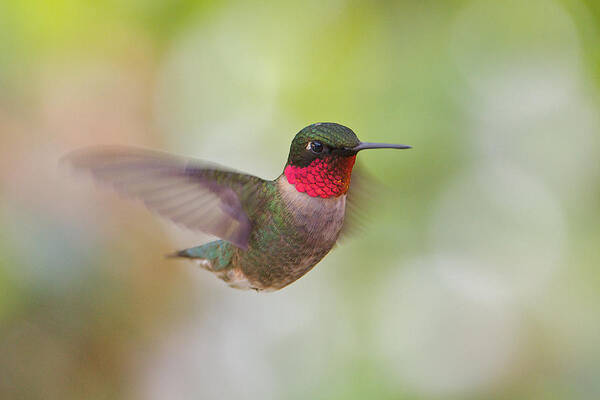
(217, 254)
(178, 254)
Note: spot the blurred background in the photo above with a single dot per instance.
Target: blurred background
(476, 278)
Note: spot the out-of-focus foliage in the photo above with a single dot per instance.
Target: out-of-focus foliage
(476, 277)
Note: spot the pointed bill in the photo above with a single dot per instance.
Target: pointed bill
(367, 145)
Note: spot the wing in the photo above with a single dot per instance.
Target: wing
(360, 200)
(194, 194)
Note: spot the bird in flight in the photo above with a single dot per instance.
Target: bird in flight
(271, 232)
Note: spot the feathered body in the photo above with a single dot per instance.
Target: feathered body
(272, 231)
(291, 234)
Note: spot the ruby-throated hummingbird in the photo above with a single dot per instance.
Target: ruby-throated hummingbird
(271, 231)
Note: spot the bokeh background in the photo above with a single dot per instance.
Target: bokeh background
(477, 277)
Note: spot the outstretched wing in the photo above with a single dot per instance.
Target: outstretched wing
(360, 201)
(194, 194)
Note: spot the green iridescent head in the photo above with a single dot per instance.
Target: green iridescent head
(320, 140)
(328, 139)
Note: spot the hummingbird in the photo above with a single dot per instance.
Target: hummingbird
(270, 232)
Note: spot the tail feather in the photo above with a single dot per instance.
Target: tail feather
(177, 254)
(214, 255)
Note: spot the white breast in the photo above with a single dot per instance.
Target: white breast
(321, 218)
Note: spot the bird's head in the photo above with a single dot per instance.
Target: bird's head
(322, 156)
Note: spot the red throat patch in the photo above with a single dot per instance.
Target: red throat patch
(324, 177)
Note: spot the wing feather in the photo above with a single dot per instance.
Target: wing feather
(192, 193)
(360, 201)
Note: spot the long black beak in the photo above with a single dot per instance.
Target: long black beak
(366, 145)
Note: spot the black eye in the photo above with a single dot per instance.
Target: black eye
(315, 147)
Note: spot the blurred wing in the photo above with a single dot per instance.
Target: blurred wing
(360, 200)
(196, 195)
